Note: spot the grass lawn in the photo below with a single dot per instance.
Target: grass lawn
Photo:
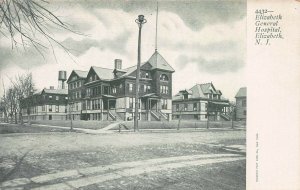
(16, 128)
(142, 124)
(183, 124)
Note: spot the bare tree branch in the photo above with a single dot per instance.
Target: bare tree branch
(29, 20)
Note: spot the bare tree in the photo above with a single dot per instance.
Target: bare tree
(21, 87)
(4, 103)
(26, 88)
(27, 22)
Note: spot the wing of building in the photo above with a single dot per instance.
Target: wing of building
(109, 94)
(48, 104)
(200, 102)
(241, 104)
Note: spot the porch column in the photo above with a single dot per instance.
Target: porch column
(148, 110)
(101, 109)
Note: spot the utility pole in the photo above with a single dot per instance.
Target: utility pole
(207, 124)
(140, 21)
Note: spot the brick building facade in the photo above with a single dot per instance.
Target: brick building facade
(49, 104)
(200, 102)
(109, 94)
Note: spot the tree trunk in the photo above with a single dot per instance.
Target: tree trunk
(16, 117)
(21, 118)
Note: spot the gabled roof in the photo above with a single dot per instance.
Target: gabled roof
(56, 91)
(81, 74)
(103, 73)
(208, 88)
(199, 91)
(241, 93)
(158, 62)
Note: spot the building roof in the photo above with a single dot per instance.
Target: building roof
(158, 62)
(81, 74)
(104, 73)
(56, 91)
(199, 91)
(241, 93)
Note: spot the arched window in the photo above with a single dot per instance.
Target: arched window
(164, 77)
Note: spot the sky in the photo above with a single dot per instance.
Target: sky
(204, 41)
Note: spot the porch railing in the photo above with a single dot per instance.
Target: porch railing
(163, 114)
(158, 118)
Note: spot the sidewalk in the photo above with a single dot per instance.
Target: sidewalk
(82, 177)
(88, 131)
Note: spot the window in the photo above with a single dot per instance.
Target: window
(185, 107)
(43, 108)
(57, 98)
(114, 90)
(57, 108)
(66, 98)
(77, 106)
(164, 77)
(121, 86)
(206, 106)
(147, 75)
(244, 102)
(93, 104)
(177, 107)
(185, 96)
(98, 103)
(164, 89)
(50, 108)
(88, 92)
(130, 102)
(50, 97)
(105, 89)
(88, 104)
(78, 84)
(148, 88)
(195, 106)
(130, 87)
(164, 104)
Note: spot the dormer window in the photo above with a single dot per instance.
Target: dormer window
(185, 96)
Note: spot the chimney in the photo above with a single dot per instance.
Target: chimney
(51, 87)
(118, 63)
